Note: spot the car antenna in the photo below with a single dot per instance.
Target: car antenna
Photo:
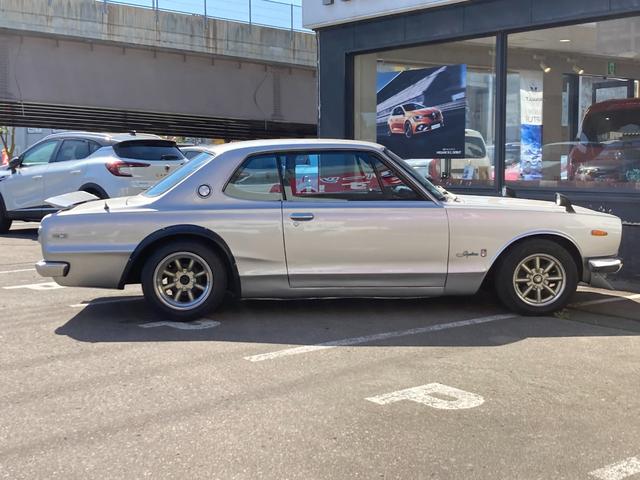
(106, 207)
(133, 133)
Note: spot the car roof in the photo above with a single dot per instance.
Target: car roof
(103, 138)
(252, 146)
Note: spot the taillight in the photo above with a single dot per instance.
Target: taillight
(116, 167)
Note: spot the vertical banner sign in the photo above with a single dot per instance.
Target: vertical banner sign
(421, 113)
(531, 94)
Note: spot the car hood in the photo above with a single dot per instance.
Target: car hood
(508, 203)
(423, 111)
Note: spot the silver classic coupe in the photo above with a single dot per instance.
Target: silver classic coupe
(322, 218)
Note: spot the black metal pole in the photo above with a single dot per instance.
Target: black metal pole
(501, 111)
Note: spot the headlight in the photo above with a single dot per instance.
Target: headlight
(418, 117)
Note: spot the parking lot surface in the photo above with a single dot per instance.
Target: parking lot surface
(95, 385)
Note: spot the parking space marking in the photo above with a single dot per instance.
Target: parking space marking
(376, 337)
(195, 325)
(618, 298)
(36, 286)
(103, 302)
(618, 471)
(424, 394)
(19, 270)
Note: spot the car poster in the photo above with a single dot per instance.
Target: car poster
(421, 113)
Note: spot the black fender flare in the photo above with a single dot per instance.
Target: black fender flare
(177, 231)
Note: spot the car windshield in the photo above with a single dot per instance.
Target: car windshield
(410, 107)
(170, 181)
(406, 168)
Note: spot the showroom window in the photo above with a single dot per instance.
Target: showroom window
(433, 106)
(573, 107)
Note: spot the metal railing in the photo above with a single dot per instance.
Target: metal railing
(284, 14)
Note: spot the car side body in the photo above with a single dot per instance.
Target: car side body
(311, 247)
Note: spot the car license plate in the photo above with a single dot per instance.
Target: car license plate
(437, 125)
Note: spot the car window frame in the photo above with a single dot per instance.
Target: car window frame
(54, 158)
(244, 161)
(423, 196)
(54, 153)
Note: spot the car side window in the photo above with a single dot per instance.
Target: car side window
(72, 150)
(342, 176)
(40, 154)
(398, 111)
(257, 179)
(93, 146)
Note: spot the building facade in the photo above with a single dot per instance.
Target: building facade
(541, 96)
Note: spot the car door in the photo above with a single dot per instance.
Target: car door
(351, 220)
(66, 168)
(24, 189)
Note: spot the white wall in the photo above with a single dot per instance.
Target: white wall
(315, 14)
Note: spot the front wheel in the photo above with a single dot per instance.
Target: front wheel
(5, 222)
(184, 279)
(536, 277)
(408, 130)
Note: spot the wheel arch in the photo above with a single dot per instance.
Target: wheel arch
(133, 269)
(559, 238)
(94, 188)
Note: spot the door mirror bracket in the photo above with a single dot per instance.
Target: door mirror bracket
(14, 164)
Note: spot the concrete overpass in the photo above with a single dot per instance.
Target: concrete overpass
(79, 64)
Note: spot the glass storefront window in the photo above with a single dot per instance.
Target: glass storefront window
(573, 107)
(433, 106)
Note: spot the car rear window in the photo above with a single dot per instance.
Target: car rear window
(150, 150)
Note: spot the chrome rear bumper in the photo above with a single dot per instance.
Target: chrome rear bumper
(52, 269)
(605, 265)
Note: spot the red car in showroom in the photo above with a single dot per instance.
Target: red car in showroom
(608, 147)
(412, 118)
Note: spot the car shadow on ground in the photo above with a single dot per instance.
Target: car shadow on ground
(22, 234)
(308, 322)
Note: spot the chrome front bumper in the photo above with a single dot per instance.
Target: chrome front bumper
(605, 265)
(52, 269)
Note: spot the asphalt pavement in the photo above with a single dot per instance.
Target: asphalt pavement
(95, 385)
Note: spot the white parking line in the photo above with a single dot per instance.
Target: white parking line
(102, 302)
(195, 325)
(372, 338)
(618, 298)
(19, 270)
(424, 394)
(36, 286)
(618, 471)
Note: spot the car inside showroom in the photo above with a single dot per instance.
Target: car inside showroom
(539, 97)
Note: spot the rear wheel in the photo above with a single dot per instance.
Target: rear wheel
(536, 277)
(184, 279)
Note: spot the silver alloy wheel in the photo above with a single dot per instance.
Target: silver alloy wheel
(539, 279)
(183, 280)
(408, 130)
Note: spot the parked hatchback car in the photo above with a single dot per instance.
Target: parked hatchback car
(347, 219)
(412, 118)
(106, 165)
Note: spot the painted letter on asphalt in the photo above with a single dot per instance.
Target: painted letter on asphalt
(425, 394)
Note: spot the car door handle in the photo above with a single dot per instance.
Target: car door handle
(301, 217)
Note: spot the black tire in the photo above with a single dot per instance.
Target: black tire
(97, 191)
(211, 297)
(408, 130)
(5, 223)
(389, 131)
(510, 273)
